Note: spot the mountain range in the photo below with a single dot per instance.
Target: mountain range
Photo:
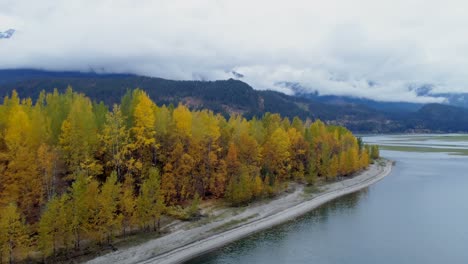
(236, 97)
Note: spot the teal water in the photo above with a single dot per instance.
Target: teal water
(417, 214)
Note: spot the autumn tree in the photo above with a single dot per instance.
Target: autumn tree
(47, 159)
(109, 220)
(115, 142)
(78, 139)
(127, 204)
(143, 133)
(13, 233)
(22, 182)
(276, 155)
(79, 208)
(150, 203)
(299, 150)
(49, 228)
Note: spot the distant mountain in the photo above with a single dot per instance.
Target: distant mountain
(439, 118)
(233, 96)
(7, 34)
(453, 99)
(390, 107)
(456, 99)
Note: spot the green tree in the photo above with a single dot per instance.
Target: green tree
(79, 208)
(109, 219)
(150, 204)
(13, 233)
(127, 204)
(78, 139)
(49, 228)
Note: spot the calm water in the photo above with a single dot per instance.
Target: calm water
(418, 214)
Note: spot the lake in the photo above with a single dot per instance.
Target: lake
(417, 214)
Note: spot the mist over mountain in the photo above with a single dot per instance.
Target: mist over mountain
(454, 99)
(389, 54)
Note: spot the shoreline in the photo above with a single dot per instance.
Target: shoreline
(182, 245)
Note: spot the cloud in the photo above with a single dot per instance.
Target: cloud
(366, 48)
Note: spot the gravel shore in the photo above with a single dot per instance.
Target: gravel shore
(223, 226)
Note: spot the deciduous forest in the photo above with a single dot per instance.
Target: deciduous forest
(75, 172)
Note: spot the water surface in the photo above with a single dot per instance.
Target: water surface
(418, 214)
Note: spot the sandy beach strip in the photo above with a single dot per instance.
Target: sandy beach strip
(185, 243)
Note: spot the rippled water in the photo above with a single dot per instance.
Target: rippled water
(418, 214)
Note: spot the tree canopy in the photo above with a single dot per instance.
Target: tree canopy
(73, 170)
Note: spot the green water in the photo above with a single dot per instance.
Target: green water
(418, 214)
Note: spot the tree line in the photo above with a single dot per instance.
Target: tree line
(72, 170)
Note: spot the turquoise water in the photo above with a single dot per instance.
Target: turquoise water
(418, 214)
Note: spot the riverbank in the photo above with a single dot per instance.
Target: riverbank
(222, 226)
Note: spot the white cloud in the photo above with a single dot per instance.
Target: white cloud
(334, 47)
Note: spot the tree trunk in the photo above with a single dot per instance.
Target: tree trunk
(159, 225)
(10, 251)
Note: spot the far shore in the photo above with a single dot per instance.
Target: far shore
(187, 240)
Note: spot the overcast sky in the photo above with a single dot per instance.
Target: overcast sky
(376, 49)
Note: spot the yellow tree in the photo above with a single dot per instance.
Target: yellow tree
(22, 183)
(299, 153)
(168, 182)
(176, 180)
(92, 225)
(217, 181)
(183, 121)
(171, 180)
(115, 141)
(250, 153)
(364, 159)
(204, 147)
(343, 168)
(233, 165)
(143, 131)
(47, 159)
(324, 157)
(334, 167)
(276, 154)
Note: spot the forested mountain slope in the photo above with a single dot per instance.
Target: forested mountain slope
(234, 96)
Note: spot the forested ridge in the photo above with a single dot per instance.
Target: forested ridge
(234, 96)
(75, 172)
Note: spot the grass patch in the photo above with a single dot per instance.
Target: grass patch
(452, 151)
(381, 162)
(452, 138)
(311, 189)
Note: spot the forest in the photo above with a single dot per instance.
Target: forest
(75, 172)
